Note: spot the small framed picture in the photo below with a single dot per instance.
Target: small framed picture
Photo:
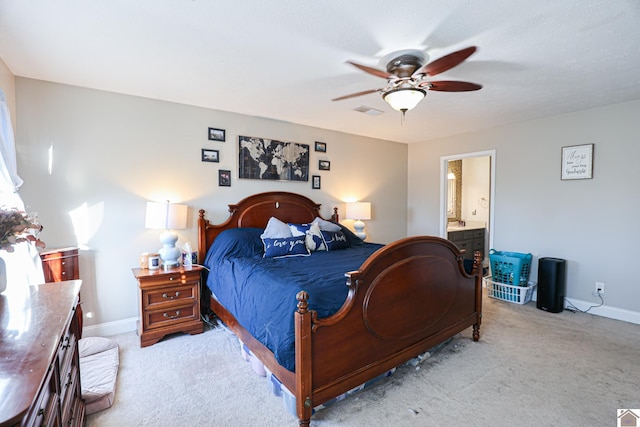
(324, 165)
(224, 178)
(577, 162)
(210, 155)
(216, 134)
(321, 147)
(315, 182)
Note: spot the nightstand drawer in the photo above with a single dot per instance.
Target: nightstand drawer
(172, 315)
(168, 279)
(173, 295)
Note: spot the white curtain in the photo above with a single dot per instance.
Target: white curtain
(23, 264)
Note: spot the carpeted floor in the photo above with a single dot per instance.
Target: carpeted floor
(530, 368)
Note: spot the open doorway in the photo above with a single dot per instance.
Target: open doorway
(467, 199)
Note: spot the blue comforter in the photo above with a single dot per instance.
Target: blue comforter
(261, 292)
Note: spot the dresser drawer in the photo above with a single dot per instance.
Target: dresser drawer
(478, 234)
(464, 245)
(456, 236)
(66, 352)
(169, 296)
(44, 411)
(70, 392)
(59, 265)
(171, 315)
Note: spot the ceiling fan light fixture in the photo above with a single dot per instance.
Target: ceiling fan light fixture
(404, 99)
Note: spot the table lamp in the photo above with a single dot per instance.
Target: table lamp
(359, 211)
(167, 216)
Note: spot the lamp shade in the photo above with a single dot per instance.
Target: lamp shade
(359, 210)
(404, 99)
(165, 215)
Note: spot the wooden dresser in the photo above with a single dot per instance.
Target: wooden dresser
(39, 361)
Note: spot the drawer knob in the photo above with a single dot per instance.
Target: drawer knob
(168, 316)
(165, 296)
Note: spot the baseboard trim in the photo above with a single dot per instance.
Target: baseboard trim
(110, 328)
(129, 325)
(606, 311)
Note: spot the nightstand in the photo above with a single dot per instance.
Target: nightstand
(169, 302)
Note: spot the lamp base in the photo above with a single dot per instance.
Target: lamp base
(359, 227)
(169, 254)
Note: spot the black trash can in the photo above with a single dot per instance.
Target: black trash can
(551, 284)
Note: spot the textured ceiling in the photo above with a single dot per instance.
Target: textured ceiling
(285, 59)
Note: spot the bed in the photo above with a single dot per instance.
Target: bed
(399, 301)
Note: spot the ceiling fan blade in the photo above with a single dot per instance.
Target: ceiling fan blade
(451, 86)
(447, 62)
(353, 95)
(375, 71)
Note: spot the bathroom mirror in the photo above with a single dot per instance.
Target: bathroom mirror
(454, 190)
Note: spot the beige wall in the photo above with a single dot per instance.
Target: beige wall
(112, 153)
(8, 86)
(590, 223)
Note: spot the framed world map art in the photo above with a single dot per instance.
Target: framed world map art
(262, 158)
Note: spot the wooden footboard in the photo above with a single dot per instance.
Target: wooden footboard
(408, 297)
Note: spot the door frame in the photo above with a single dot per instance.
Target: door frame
(492, 191)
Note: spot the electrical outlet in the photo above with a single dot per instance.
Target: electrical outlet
(599, 289)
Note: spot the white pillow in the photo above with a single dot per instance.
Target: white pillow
(276, 229)
(299, 229)
(314, 240)
(326, 225)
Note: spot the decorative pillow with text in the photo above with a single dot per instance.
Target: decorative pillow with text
(285, 247)
(335, 240)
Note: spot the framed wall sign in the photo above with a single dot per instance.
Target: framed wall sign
(577, 162)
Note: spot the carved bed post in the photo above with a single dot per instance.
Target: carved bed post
(202, 241)
(304, 402)
(477, 270)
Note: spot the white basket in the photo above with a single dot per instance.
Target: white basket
(510, 293)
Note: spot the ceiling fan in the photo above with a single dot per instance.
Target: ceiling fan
(406, 78)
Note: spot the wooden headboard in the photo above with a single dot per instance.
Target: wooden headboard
(255, 211)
